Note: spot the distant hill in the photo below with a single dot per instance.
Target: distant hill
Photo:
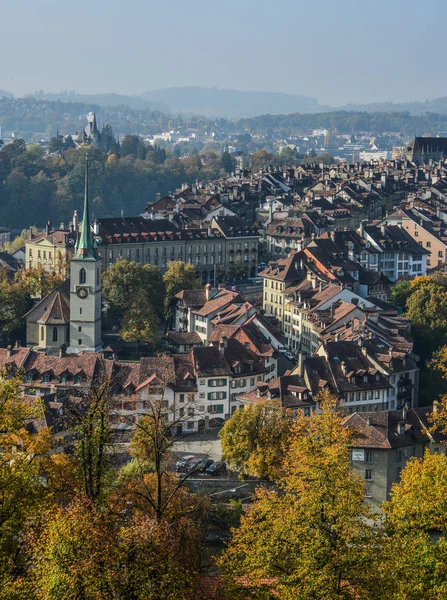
(107, 100)
(6, 94)
(231, 104)
(438, 105)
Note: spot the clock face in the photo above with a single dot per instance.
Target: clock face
(82, 292)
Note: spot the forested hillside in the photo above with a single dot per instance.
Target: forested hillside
(34, 188)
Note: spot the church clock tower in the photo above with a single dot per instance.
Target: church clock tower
(85, 287)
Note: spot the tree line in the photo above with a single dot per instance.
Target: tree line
(77, 524)
(123, 177)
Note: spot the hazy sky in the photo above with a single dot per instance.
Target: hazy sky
(336, 50)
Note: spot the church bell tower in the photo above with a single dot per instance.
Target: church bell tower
(85, 287)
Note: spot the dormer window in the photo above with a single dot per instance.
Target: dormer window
(29, 377)
(365, 378)
(45, 378)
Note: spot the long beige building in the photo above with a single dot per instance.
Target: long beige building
(156, 242)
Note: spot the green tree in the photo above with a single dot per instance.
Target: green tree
(15, 301)
(130, 145)
(228, 162)
(124, 280)
(237, 270)
(400, 292)
(255, 439)
(179, 276)
(313, 538)
(140, 321)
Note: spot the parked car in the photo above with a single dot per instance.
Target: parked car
(217, 468)
(194, 465)
(182, 462)
(290, 356)
(204, 464)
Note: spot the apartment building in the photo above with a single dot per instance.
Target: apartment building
(426, 231)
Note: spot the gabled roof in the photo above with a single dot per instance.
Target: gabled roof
(209, 362)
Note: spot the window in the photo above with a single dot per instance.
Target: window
(369, 457)
(440, 254)
(79, 342)
(190, 412)
(42, 333)
(54, 334)
(181, 411)
(182, 397)
(218, 408)
(79, 329)
(190, 425)
(368, 475)
(80, 311)
(217, 382)
(82, 276)
(217, 395)
(428, 244)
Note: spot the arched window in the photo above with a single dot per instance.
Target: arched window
(54, 334)
(42, 333)
(82, 276)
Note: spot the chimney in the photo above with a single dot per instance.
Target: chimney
(152, 215)
(31, 233)
(208, 291)
(354, 301)
(435, 406)
(17, 344)
(8, 351)
(383, 230)
(75, 221)
(62, 226)
(314, 283)
(223, 342)
(96, 227)
(157, 196)
(300, 364)
(48, 227)
(361, 229)
(333, 236)
(62, 350)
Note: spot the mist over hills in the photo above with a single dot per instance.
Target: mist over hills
(231, 104)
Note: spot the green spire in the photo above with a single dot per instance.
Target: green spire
(85, 245)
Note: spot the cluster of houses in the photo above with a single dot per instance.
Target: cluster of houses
(330, 240)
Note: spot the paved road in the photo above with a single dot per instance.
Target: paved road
(207, 444)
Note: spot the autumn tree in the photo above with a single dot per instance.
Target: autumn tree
(255, 439)
(76, 555)
(22, 462)
(313, 538)
(179, 276)
(37, 282)
(412, 562)
(419, 501)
